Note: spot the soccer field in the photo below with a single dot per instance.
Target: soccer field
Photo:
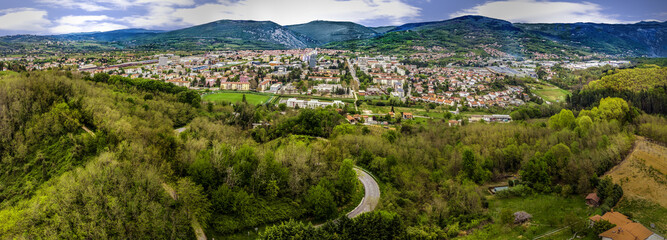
(236, 97)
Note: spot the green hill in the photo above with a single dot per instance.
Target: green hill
(233, 34)
(639, 39)
(463, 34)
(636, 79)
(329, 31)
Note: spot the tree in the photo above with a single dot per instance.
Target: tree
(613, 108)
(320, 202)
(243, 99)
(293, 230)
(193, 198)
(347, 181)
(564, 119)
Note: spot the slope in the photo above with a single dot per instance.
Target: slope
(643, 38)
(462, 34)
(232, 34)
(329, 31)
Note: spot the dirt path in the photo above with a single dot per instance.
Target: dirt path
(199, 231)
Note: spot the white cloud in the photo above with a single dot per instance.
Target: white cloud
(540, 11)
(286, 12)
(107, 5)
(23, 19)
(93, 23)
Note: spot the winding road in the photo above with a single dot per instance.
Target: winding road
(371, 196)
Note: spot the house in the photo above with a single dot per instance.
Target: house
(453, 123)
(625, 229)
(243, 86)
(351, 119)
(630, 231)
(407, 115)
(592, 200)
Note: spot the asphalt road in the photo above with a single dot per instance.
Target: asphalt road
(371, 195)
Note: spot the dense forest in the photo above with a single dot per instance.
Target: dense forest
(99, 157)
(644, 87)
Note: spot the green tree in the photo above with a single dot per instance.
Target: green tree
(346, 183)
(193, 198)
(320, 202)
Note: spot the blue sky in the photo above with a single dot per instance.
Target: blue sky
(68, 16)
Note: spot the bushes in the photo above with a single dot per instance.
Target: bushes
(653, 127)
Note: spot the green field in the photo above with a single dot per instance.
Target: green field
(236, 97)
(550, 93)
(548, 212)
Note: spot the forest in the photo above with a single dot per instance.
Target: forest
(99, 157)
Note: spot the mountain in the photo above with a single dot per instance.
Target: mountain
(643, 38)
(329, 31)
(383, 29)
(111, 36)
(460, 35)
(232, 34)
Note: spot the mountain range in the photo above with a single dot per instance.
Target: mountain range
(457, 34)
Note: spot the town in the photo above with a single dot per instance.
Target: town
(370, 86)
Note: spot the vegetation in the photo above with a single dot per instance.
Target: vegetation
(98, 157)
(230, 97)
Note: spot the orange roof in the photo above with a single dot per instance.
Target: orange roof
(616, 218)
(630, 231)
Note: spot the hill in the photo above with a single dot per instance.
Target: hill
(639, 39)
(636, 79)
(110, 36)
(232, 34)
(462, 34)
(329, 31)
(643, 177)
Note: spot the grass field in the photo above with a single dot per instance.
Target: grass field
(549, 92)
(548, 212)
(643, 173)
(643, 177)
(236, 97)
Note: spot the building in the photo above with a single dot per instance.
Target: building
(592, 200)
(163, 61)
(407, 115)
(625, 229)
(241, 86)
(313, 103)
(179, 82)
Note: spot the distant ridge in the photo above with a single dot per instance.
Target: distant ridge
(646, 38)
(330, 31)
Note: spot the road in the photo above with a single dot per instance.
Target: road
(355, 87)
(371, 195)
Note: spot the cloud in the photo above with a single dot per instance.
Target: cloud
(107, 5)
(23, 19)
(92, 23)
(287, 12)
(540, 11)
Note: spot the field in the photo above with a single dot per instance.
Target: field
(548, 212)
(233, 97)
(550, 93)
(642, 176)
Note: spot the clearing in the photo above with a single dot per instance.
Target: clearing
(642, 175)
(549, 92)
(234, 97)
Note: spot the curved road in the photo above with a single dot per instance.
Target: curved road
(371, 196)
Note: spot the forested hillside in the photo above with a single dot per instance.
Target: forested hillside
(98, 157)
(644, 87)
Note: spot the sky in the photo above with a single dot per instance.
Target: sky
(45, 17)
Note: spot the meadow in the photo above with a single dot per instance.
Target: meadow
(234, 97)
(550, 93)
